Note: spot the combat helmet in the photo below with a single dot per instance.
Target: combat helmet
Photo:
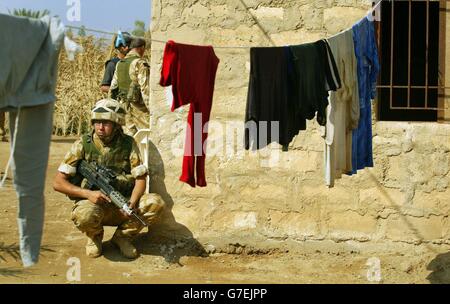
(109, 109)
(122, 39)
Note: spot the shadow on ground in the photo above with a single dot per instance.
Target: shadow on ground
(440, 267)
(13, 272)
(168, 239)
(12, 251)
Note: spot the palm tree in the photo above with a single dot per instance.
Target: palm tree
(139, 28)
(29, 13)
(82, 31)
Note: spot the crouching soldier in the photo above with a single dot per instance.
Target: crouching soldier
(108, 146)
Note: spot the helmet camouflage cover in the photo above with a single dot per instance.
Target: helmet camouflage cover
(109, 109)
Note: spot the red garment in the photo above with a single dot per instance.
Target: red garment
(191, 70)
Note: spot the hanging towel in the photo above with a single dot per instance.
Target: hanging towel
(342, 111)
(191, 70)
(368, 67)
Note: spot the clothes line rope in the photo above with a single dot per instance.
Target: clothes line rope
(152, 40)
(370, 12)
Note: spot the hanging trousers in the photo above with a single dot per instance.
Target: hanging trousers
(29, 164)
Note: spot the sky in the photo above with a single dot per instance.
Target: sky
(104, 15)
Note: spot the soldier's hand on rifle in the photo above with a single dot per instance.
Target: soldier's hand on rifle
(97, 197)
(132, 206)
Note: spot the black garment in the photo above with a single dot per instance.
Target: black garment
(270, 99)
(110, 67)
(316, 74)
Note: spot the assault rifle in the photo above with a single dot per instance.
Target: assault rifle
(101, 177)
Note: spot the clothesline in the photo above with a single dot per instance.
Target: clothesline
(152, 40)
(215, 47)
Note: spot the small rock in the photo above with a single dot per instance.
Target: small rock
(210, 248)
(126, 274)
(406, 267)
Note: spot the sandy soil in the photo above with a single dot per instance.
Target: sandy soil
(168, 261)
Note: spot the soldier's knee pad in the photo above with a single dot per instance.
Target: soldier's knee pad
(87, 215)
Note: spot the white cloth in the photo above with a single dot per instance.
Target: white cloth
(72, 48)
(342, 111)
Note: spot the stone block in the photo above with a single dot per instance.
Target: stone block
(337, 19)
(245, 220)
(424, 204)
(292, 224)
(414, 229)
(350, 225)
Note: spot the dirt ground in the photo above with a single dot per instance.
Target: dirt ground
(183, 263)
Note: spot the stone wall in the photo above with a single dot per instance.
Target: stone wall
(445, 7)
(404, 199)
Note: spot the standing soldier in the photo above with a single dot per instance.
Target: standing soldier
(108, 146)
(130, 86)
(122, 46)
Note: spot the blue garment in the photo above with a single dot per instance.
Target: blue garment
(368, 67)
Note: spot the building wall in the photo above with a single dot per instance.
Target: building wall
(446, 37)
(404, 199)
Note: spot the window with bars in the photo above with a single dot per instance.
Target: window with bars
(411, 43)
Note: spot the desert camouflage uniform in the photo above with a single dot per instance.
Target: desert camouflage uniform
(139, 73)
(89, 217)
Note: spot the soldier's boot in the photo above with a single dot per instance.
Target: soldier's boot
(124, 243)
(94, 245)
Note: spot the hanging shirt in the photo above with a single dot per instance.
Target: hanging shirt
(343, 109)
(191, 70)
(28, 77)
(270, 114)
(316, 74)
(368, 67)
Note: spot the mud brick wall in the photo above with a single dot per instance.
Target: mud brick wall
(403, 200)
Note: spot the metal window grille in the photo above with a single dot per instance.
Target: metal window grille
(432, 82)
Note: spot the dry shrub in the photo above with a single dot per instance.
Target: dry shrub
(78, 86)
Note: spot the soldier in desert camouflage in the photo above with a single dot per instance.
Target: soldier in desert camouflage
(110, 147)
(130, 86)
